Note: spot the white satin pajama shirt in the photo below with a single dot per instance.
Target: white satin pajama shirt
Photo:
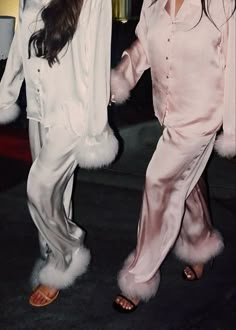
(73, 93)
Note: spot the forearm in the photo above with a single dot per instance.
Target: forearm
(11, 82)
(128, 72)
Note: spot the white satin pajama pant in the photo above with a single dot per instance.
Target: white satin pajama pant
(49, 189)
(174, 212)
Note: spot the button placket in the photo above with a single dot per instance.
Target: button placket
(38, 73)
(38, 80)
(167, 57)
(168, 66)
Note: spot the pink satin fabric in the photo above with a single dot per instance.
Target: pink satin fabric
(191, 86)
(187, 66)
(173, 172)
(174, 212)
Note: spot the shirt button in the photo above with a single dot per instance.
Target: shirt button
(38, 70)
(38, 90)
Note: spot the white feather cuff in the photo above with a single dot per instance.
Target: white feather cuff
(97, 151)
(9, 114)
(225, 145)
(120, 89)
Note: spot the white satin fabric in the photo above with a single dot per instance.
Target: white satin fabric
(73, 93)
(67, 109)
(49, 191)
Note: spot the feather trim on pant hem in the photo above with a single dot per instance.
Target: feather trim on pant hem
(46, 273)
(132, 289)
(201, 252)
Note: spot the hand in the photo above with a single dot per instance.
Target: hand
(112, 100)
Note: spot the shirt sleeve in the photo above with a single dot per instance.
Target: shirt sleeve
(99, 147)
(12, 79)
(98, 50)
(133, 63)
(226, 143)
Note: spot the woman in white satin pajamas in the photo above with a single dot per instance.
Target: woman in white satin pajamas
(191, 53)
(65, 61)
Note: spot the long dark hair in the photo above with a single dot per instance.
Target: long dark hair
(205, 9)
(60, 18)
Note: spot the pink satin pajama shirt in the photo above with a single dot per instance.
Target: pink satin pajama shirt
(192, 67)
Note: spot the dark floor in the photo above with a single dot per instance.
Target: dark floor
(109, 214)
(109, 211)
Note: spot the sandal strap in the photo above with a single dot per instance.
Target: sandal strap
(45, 296)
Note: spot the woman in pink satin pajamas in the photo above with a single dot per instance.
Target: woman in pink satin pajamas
(189, 45)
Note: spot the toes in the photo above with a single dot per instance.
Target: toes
(118, 300)
(43, 296)
(34, 297)
(125, 304)
(37, 297)
(189, 274)
(187, 271)
(193, 272)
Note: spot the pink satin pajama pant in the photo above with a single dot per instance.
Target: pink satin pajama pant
(174, 212)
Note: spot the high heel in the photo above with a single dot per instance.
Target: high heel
(191, 274)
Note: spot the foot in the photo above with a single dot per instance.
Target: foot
(124, 304)
(43, 296)
(193, 272)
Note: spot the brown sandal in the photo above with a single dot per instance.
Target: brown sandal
(49, 300)
(190, 274)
